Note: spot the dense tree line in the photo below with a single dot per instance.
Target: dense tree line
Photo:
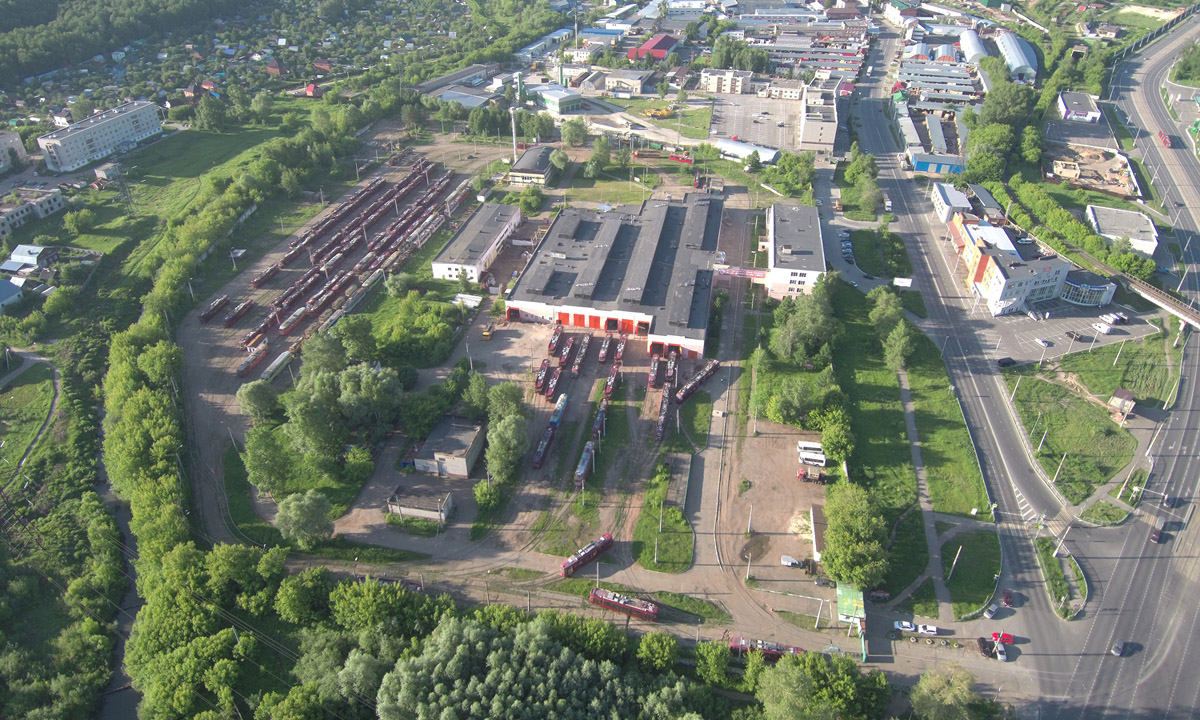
(733, 54)
(83, 28)
(994, 132)
(792, 174)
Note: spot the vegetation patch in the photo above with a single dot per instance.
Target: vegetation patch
(582, 586)
(1104, 513)
(706, 609)
(24, 408)
(1125, 491)
(810, 623)
(1124, 137)
(951, 466)
(974, 579)
(615, 187)
(673, 546)
(421, 527)
(1080, 435)
(867, 254)
(1056, 580)
(908, 555)
(515, 573)
(1144, 368)
(914, 302)
(922, 602)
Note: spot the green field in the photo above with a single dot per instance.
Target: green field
(951, 467)
(1104, 513)
(909, 554)
(1077, 199)
(914, 302)
(881, 461)
(613, 187)
(1096, 448)
(676, 541)
(851, 206)
(695, 415)
(1056, 579)
(974, 580)
(692, 123)
(24, 407)
(1143, 368)
(867, 254)
(1124, 137)
(709, 611)
(922, 602)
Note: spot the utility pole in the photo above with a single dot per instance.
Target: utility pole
(1059, 470)
(1119, 351)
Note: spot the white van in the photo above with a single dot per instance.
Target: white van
(789, 561)
(1102, 328)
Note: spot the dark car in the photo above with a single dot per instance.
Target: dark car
(1168, 501)
(1074, 335)
(985, 647)
(1005, 362)
(1156, 536)
(868, 277)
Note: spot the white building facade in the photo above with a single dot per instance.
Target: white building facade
(99, 136)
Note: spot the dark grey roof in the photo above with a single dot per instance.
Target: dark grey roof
(452, 436)
(656, 261)
(477, 235)
(535, 160)
(1079, 102)
(798, 238)
(984, 197)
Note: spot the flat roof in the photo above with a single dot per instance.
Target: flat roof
(1079, 102)
(797, 233)
(654, 259)
(1114, 223)
(984, 197)
(534, 160)
(452, 436)
(952, 196)
(477, 234)
(418, 498)
(96, 119)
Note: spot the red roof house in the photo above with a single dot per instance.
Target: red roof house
(656, 47)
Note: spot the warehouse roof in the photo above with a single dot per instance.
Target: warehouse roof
(535, 160)
(796, 230)
(477, 235)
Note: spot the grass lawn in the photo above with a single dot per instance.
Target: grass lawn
(674, 543)
(851, 207)
(909, 554)
(306, 477)
(241, 506)
(1056, 580)
(867, 253)
(1142, 368)
(810, 623)
(1095, 447)
(706, 609)
(24, 406)
(974, 579)
(611, 187)
(942, 527)
(582, 586)
(514, 573)
(1149, 192)
(955, 483)
(922, 602)
(914, 302)
(1078, 199)
(881, 462)
(1104, 513)
(1124, 137)
(1137, 479)
(421, 527)
(695, 415)
(691, 123)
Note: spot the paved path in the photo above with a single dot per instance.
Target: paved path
(934, 570)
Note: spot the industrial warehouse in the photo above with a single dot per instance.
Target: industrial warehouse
(646, 272)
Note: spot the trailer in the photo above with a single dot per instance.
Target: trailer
(559, 408)
(585, 555)
(703, 374)
(213, 308)
(543, 447)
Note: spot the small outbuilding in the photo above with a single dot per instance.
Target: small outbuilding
(424, 503)
(1122, 401)
(452, 448)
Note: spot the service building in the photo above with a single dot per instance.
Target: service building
(477, 243)
(1113, 224)
(732, 82)
(533, 168)
(100, 135)
(29, 204)
(795, 250)
(451, 449)
(1078, 106)
(644, 270)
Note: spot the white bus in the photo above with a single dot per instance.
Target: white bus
(810, 458)
(802, 445)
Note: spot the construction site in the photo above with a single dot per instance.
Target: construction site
(1099, 170)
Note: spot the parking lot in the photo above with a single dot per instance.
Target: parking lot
(756, 120)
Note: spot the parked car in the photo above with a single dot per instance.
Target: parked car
(826, 582)
(927, 629)
(1005, 362)
(1074, 335)
(985, 647)
(789, 561)
(1118, 648)
(868, 277)
(904, 626)
(1102, 328)
(1008, 598)
(1002, 637)
(991, 611)
(1001, 653)
(1042, 341)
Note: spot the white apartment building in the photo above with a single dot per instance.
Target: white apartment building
(732, 82)
(99, 136)
(795, 251)
(30, 204)
(10, 146)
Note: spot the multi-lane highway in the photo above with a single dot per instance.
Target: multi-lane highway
(1141, 593)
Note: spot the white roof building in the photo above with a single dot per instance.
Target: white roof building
(1113, 224)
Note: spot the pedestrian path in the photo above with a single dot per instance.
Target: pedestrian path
(934, 569)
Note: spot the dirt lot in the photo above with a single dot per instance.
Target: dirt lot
(1102, 171)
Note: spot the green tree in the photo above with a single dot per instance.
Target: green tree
(574, 132)
(601, 152)
(82, 109)
(887, 312)
(507, 443)
(289, 180)
(591, 169)
(357, 336)
(559, 159)
(753, 162)
(623, 157)
(854, 538)
(837, 439)
(304, 518)
(663, 88)
(475, 397)
(303, 599)
(898, 346)
(756, 665)
(944, 693)
(210, 114)
(712, 662)
(79, 222)
(268, 459)
(323, 353)
(1031, 145)
(260, 106)
(657, 652)
(681, 97)
(504, 400)
(399, 284)
(258, 400)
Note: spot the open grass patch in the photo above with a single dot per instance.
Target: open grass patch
(695, 416)
(708, 610)
(1125, 491)
(810, 623)
(1080, 435)
(692, 122)
(1151, 195)
(1104, 513)
(951, 467)
(24, 407)
(674, 544)
(241, 505)
(974, 579)
(914, 302)
(582, 586)
(1077, 199)
(867, 253)
(922, 602)
(1056, 579)
(515, 573)
(882, 461)
(943, 527)
(1124, 137)
(421, 527)
(1143, 368)
(908, 555)
(852, 206)
(613, 187)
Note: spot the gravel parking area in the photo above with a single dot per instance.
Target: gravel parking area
(756, 120)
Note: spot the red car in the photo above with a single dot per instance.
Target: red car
(1002, 637)
(1007, 598)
